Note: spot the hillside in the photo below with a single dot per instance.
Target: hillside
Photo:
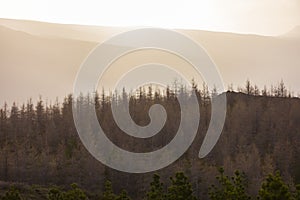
(34, 54)
(62, 31)
(260, 135)
(33, 65)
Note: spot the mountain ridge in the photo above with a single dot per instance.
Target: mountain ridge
(59, 54)
(293, 33)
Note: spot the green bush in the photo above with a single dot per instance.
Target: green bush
(181, 188)
(123, 196)
(156, 189)
(273, 188)
(297, 194)
(108, 193)
(55, 194)
(233, 188)
(12, 194)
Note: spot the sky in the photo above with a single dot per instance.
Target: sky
(246, 56)
(262, 17)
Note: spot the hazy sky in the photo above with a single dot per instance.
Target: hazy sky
(265, 17)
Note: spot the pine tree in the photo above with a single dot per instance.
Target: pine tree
(156, 189)
(108, 193)
(74, 194)
(181, 188)
(233, 188)
(249, 88)
(123, 196)
(273, 188)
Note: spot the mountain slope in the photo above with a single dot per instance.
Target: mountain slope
(293, 34)
(32, 65)
(67, 31)
(43, 58)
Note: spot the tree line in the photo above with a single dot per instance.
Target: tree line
(227, 188)
(40, 145)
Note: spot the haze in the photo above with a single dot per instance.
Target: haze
(251, 39)
(263, 17)
(42, 59)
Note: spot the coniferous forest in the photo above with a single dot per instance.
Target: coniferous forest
(42, 157)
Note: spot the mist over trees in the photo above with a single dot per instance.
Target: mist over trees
(40, 145)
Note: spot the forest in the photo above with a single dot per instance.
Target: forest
(40, 147)
(180, 188)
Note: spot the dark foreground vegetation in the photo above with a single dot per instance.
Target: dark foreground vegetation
(40, 146)
(179, 188)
